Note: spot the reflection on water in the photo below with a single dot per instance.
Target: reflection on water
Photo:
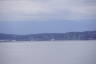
(60, 52)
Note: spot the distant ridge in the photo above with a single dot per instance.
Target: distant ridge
(87, 35)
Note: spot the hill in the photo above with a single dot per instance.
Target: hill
(88, 35)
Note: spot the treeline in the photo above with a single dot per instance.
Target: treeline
(88, 35)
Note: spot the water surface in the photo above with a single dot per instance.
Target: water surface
(48, 52)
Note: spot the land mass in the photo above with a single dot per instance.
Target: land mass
(87, 35)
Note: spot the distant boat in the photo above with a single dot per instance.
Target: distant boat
(13, 40)
(52, 39)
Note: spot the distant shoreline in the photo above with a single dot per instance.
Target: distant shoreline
(87, 35)
(48, 41)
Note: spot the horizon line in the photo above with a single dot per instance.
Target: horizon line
(47, 33)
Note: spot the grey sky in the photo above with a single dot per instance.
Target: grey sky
(20, 10)
(37, 16)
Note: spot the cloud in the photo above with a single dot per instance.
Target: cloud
(36, 10)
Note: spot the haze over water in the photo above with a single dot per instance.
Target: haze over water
(48, 52)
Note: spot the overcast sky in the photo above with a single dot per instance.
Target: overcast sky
(37, 16)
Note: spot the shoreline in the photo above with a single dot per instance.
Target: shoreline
(48, 41)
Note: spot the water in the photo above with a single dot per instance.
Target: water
(54, 52)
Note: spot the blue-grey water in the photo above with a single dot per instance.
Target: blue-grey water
(53, 52)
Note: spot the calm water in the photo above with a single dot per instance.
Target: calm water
(60, 52)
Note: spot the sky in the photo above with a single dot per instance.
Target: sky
(47, 16)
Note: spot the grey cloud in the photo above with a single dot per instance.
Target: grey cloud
(48, 9)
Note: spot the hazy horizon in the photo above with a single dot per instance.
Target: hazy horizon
(45, 33)
(46, 27)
